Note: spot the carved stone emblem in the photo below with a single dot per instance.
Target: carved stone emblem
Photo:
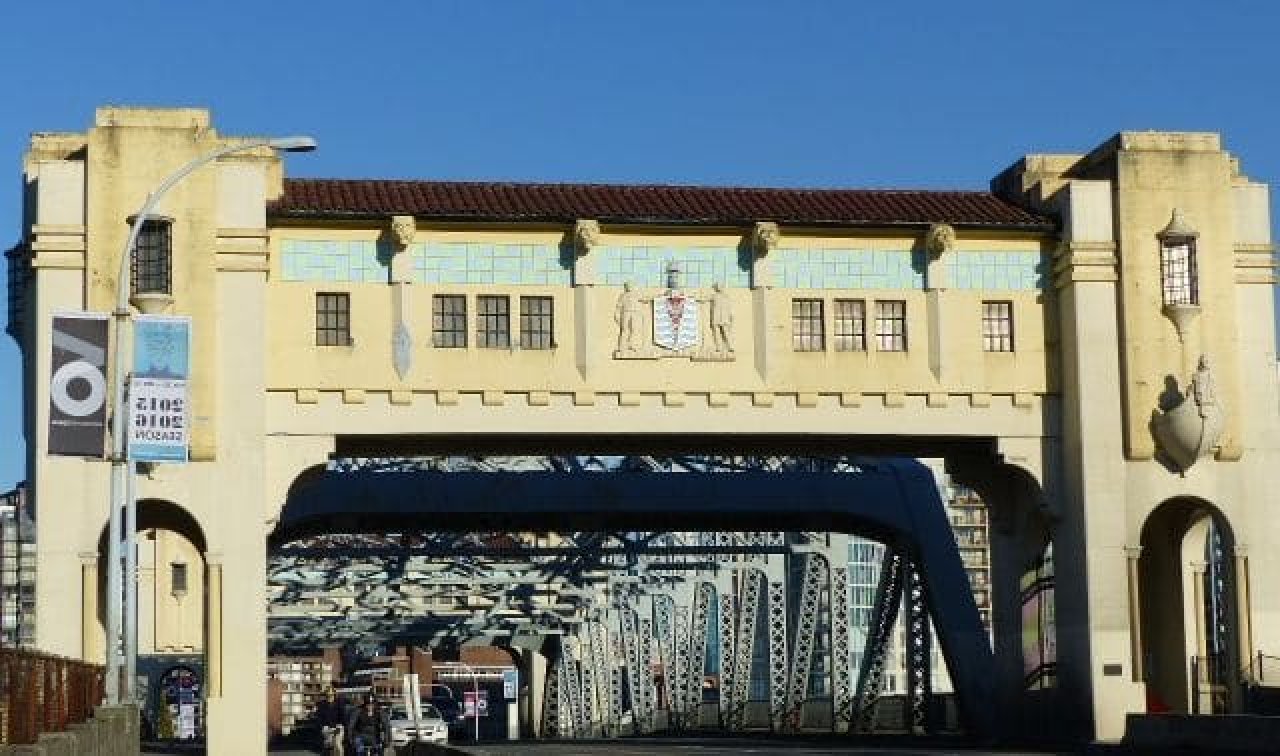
(764, 237)
(679, 328)
(403, 230)
(586, 235)
(1193, 427)
(940, 240)
(675, 321)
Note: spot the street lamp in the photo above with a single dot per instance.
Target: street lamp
(122, 470)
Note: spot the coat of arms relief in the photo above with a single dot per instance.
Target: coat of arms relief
(674, 323)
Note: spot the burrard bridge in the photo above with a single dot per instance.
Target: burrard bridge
(616, 430)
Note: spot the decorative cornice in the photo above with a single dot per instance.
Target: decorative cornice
(241, 249)
(58, 246)
(1254, 263)
(1078, 261)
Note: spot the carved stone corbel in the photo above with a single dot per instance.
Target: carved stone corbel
(765, 236)
(403, 231)
(939, 240)
(586, 237)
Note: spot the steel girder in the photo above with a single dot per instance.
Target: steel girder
(582, 567)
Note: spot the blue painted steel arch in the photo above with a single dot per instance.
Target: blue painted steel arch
(892, 500)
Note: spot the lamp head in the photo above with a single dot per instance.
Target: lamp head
(293, 144)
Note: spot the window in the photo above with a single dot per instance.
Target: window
(178, 578)
(449, 321)
(807, 333)
(150, 270)
(851, 325)
(997, 326)
(891, 325)
(1178, 271)
(493, 322)
(536, 323)
(333, 319)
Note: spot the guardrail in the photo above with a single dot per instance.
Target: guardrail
(1264, 670)
(42, 693)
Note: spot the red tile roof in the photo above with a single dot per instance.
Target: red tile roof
(565, 203)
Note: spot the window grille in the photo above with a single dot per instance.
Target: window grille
(807, 334)
(891, 325)
(536, 323)
(1178, 272)
(449, 321)
(997, 326)
(150, 271)
(851, 325)
(493, 322)
(333, 319)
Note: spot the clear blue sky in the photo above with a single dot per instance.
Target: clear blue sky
(838, 93)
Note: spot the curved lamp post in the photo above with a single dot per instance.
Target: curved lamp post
(121, 469)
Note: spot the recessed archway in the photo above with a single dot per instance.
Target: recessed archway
(1188, 629)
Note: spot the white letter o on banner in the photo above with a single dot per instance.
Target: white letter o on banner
(70, 405)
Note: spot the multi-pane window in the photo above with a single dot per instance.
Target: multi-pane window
(807, 333)
(333, 319)
(449, 320)
(536, 323)
(493, 322)
(150, 271)
(997, 326)
(891, 325)
(1178, 271)
(851, 325)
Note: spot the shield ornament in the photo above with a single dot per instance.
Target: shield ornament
(675, 321)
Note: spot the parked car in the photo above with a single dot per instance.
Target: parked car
(430, 729)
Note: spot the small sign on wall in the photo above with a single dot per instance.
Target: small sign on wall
(159, 405)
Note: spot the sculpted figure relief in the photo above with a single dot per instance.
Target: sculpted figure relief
(403, 229)
(940, 239)
(721, 319)
(1202, 388)
(627, 315)
(586, 235)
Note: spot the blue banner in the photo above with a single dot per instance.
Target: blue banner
(159, 405)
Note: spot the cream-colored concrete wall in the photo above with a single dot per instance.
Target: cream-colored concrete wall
(297, 364)
(1070, 405)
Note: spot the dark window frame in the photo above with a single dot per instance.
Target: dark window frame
(537, 328)
(850, 325)
(1179, 273)
(449, 325)
(997, 325)
(808, 325)
(333, 318)
(891, 325)
(151, 264)
(493, 321)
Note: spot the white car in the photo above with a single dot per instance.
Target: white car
(431, 728)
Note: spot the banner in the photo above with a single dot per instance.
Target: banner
(78, 385)
(159, 406)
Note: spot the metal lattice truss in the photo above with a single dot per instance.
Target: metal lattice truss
(645, 631)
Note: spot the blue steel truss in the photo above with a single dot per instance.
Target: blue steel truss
(382, 527)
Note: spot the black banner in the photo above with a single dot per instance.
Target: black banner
(78, 386)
